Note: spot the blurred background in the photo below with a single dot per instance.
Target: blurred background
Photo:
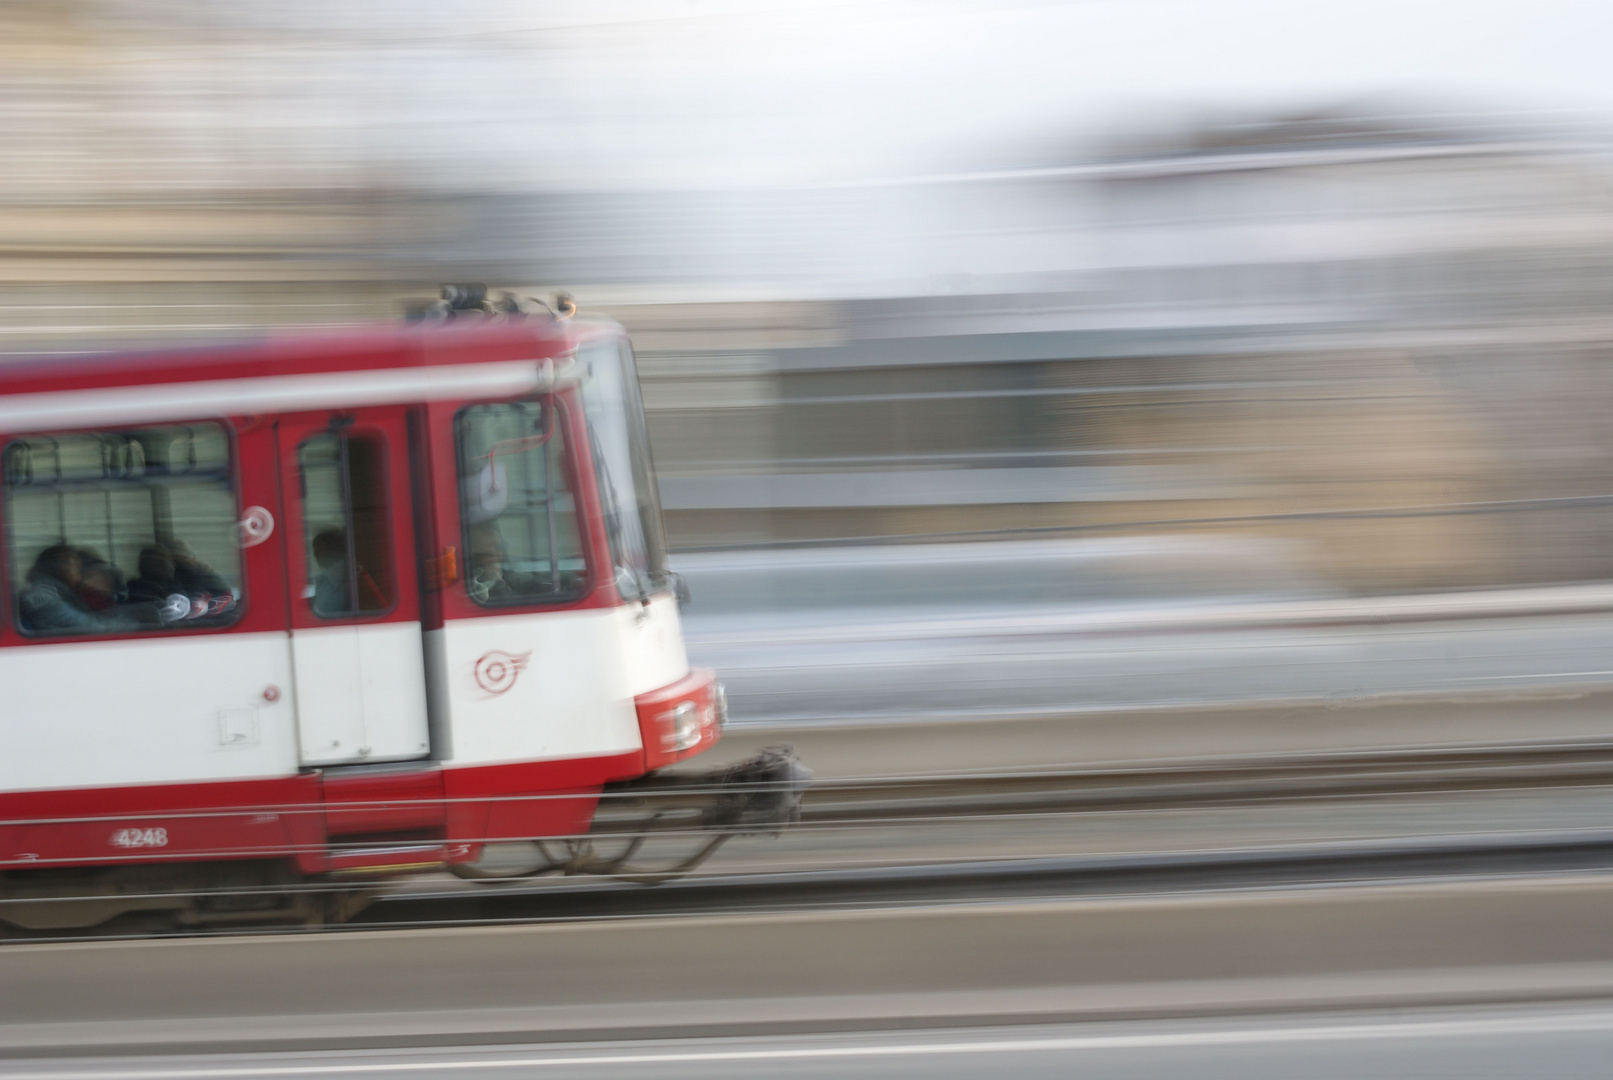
(943, 310)
(1036, 388)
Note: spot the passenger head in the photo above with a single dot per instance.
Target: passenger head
(330, 547)
(179, 552)
(99, 584)
(155, 565)
(59, 561)
(95, 573)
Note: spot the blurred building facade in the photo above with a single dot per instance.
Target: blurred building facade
(1381, 340)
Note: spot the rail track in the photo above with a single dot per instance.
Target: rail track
(835, 813)
(1209, 782)
(975, 880)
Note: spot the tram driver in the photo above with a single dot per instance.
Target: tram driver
(490, 581)
(487, 582)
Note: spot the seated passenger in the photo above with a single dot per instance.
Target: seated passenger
(159, 596)
(156, 581)
(332, 585)
(193, 575)
(100, 586)
(178, 584)
(49, 602)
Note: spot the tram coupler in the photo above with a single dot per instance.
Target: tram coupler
(760, 795)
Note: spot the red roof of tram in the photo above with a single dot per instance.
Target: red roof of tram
(298, 353)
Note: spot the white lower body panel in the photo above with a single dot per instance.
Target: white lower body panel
(163, 710)
(361, 693)
(541, 686)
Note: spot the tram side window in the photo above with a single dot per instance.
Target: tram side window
(345, 525)
(520, 513)
(122, 531)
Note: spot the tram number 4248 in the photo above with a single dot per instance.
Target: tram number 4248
(139, 838)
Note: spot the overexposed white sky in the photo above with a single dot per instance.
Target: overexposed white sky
(702, 93)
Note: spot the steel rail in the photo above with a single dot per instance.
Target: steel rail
(1203, 784)
(1333, 863)
(843, 806)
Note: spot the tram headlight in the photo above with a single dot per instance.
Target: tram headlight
(680, 727)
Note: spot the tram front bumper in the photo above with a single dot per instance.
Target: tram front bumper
(681, 720)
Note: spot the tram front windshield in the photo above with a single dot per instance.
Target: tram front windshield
(620, 447)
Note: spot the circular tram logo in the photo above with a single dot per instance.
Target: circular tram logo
(496, 671)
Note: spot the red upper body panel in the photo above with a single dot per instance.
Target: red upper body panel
(299, 354)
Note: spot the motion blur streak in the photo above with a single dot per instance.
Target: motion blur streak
(1488, 1027)
(1034, 391)
(1335, 349)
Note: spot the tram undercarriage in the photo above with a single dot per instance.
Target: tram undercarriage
(758, 796)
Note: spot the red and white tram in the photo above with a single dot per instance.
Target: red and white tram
(306, 607)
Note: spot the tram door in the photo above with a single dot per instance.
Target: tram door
(355, 609)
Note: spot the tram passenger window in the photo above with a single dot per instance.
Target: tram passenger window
(122, 531)
(522, 536)
(345, 525)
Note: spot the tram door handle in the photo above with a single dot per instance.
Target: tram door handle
(443, 570)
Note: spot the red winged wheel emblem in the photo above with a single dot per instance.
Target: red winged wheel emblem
(496, 671)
